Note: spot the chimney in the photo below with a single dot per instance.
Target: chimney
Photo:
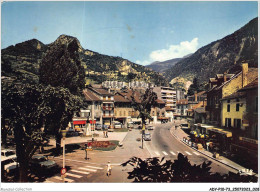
(225, 76)
(244, 74)
(196, 96)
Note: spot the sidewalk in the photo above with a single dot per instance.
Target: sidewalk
(81, 139)
(179, 134)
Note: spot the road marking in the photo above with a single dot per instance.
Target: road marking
(77, 171)
(91, 170)
(172, 153)
(188, 153)
(157, 153)
(73, 175)
(94, 167)
(77, 160)
(66, 179)
(164, 153)
(196, 153)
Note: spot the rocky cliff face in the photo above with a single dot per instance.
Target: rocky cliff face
(225, 54)
(22, 61)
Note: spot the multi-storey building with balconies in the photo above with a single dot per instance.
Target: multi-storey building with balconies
(168, 95)
(106, 108)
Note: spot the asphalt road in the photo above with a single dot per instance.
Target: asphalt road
(164, 144)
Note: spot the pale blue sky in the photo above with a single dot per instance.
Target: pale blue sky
(139, 31)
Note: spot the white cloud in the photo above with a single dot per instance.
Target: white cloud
(143, 62)
(173, 51)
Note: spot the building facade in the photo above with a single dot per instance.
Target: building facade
(123, 110)
(225, 85)
(182, 107)
(168, 95)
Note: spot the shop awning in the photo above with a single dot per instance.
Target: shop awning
(221, 131)
(79, 122)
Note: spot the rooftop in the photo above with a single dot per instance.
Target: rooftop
(90, 96)
(234, 95)
(101, 91)
(121, 99)
(252, 85)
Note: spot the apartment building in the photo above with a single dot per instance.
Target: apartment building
(168, 95)
(114, 84)
(107, 104)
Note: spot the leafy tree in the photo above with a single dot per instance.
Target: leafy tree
(124, 89)
(130, 76)
(30, 107)
(62, 104)
(24, 106)
(143, 105)
(181, 170)
(61, 66)
(194, 87)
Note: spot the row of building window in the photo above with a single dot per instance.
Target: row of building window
(237, 107)
(237, 123)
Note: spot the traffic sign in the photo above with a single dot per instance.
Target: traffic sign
(89, 149)
(63, 171)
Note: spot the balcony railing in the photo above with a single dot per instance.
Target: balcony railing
(107, 108)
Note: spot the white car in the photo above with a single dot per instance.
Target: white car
(150, 127)
(117, 125)
(10, 165)
(7, 154)
(8, 160)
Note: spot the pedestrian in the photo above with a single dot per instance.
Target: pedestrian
(109, 168)
(106, 133)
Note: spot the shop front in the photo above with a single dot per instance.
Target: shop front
(221, 139)
(79, 123)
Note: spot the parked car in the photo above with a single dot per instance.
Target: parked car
(117, 125)
(8, 154)
(71, 132)
(98, 126)
(130, 125)
(41, 164)
(150, 127)
(10, 166)
(147, 137)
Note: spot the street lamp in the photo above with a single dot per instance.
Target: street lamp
(63, 133)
